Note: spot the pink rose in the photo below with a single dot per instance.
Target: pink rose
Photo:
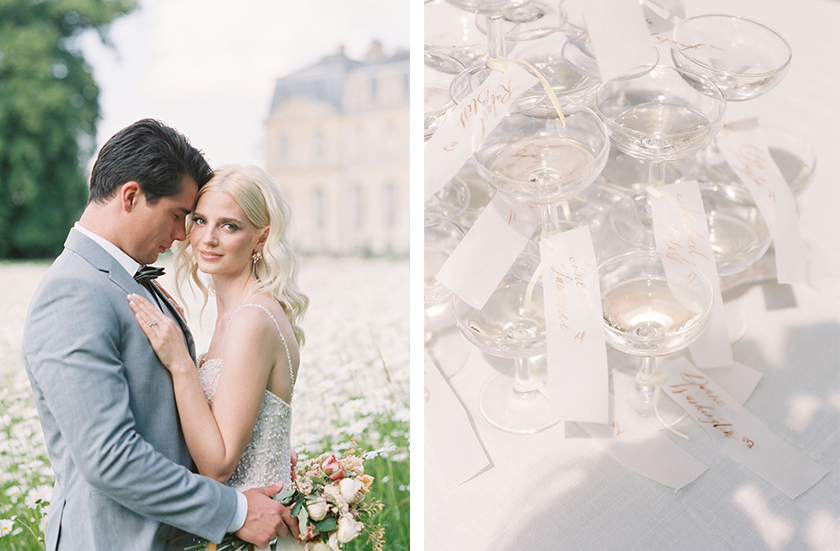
(333, 468)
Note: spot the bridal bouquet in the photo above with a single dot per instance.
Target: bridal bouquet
(328, 499)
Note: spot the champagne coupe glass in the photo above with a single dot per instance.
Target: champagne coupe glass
(438, 72)
(578, 51)
(511, 325)
(662, 116)
(571, 87)
(741, 57)
(531, 20)
(737, 231)
(453, 31)
(493, 12)
(739, 237)
(480, 195)
(653, 306)
(450, 354)
(447, 204)
(542, 161)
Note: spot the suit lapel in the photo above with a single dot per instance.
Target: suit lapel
(164, 299)
(101, 260)
(104, 262)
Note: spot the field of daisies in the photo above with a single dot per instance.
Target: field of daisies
(353, 385)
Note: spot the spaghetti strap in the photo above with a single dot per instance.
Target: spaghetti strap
(282, 338)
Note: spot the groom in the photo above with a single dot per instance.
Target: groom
(105, 402)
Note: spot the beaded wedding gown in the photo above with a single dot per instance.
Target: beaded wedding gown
(267, 457)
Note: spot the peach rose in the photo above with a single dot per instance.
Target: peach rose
(351, 490)
(317, 509)
(348, 529)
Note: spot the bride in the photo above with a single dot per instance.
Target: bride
(235, 409)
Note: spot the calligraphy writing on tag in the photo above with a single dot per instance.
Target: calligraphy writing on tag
(747, 152)
(680, 237)
(694, 392)
(476, 115)
(486, 104)
(681, 232)
(576, 354)
(573, 274)
(753, 161)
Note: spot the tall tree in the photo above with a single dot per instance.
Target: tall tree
(49, 108)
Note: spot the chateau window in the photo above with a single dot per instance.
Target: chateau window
(318, 145)
(390, 205)
(359, 206)
(319, 209)
(281, 148)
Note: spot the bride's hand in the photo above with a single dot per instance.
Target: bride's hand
(163, 333)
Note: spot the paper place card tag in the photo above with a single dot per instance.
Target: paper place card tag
(449, 431)
(661, 19)
(740, 434)
(681, 231)
(738, 380)
(470, 122)
(746, 151)
(619, 35)
(576, 353)
(483, 257)
(631, 441)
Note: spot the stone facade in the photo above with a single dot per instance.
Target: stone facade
(337, 140)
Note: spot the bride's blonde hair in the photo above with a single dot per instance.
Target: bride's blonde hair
(264, 204)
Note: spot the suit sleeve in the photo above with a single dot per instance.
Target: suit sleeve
(72, 345)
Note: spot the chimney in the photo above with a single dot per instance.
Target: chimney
(375, 52)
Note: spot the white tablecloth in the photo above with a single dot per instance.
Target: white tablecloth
(556, 490)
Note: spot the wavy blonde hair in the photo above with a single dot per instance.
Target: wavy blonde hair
(264, 204)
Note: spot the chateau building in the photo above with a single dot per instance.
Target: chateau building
(337, 141)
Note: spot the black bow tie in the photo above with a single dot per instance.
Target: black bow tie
(147, 273)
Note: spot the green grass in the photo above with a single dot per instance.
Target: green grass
(27, 478)
(390, 469)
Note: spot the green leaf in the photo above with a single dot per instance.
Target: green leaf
(285, 496)
(327, 525)
(302, 515)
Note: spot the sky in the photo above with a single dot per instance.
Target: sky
(208, 67)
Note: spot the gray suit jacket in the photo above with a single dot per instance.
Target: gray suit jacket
(108, 412)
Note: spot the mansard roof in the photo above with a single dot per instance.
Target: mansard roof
(324, 80)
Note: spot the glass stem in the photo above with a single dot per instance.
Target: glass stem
(647, 372)
(524, 380)
(656, 177)
(656, 173)
(495, 37)
(550, 219)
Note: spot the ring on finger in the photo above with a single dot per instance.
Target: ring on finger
(153, 323)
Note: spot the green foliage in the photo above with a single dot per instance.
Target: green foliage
(391, 469)
(25, 477)
(49, 107)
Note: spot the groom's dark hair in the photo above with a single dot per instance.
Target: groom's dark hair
(152, 154)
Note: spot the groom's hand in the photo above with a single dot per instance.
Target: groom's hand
(267, 519)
